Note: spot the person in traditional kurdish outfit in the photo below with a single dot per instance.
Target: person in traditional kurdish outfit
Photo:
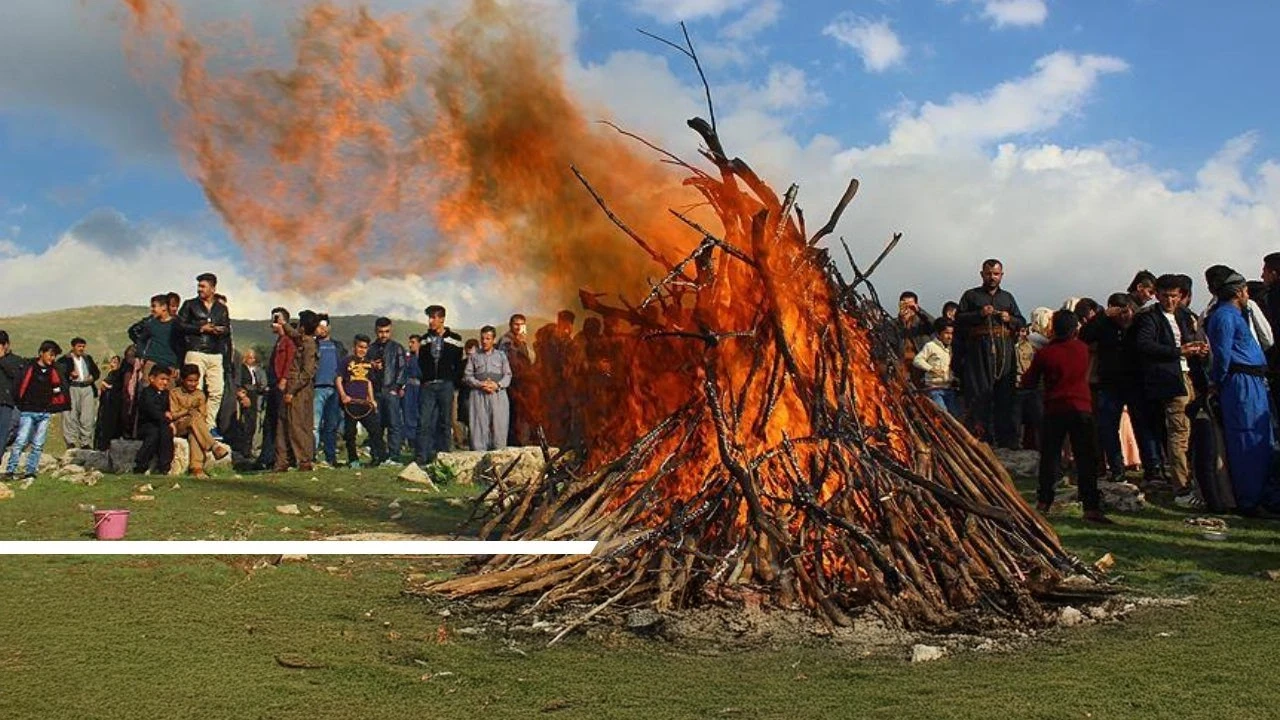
(987, 322)
(488, 374)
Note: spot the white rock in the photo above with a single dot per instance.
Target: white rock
(291, 559)
(927, 653)
(290, 509)
(1070, 617)
(415, 474)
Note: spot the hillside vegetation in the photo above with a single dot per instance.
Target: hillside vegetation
(105, 327)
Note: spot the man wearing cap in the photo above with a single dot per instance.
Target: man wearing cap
(1164, 338)
(81, 374)
(1238, 375)
(441, 361)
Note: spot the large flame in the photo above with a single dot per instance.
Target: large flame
(376, 155)
(374, 151)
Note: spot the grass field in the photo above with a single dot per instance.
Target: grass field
(202, 638)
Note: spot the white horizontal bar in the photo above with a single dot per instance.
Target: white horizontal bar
(297, 547)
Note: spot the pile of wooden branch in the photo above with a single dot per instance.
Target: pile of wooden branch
(765, 443)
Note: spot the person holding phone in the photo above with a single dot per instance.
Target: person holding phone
(1163, 338)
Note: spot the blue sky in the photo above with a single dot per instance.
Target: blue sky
(1150, 128)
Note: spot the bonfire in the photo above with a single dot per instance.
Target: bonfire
(766, 448)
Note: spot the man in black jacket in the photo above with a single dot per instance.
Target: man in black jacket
(1163, 337)
(154, 427)
(205, 325)
(11, 367)
(1117, 385)
(389, 377)
(81, 375)
(440, 359)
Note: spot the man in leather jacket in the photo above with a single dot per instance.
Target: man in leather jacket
(389, 378)
(205, 326)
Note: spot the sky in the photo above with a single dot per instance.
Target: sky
(1077, 141)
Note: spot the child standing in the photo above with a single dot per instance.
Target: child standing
(41, 394)
(1063, 366)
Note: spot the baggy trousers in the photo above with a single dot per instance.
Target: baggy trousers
(200, 440)
(213, 377)
(489, 416)
(78, 424)
(295, 433)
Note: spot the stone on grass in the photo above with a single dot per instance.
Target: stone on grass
(1070, 617)
(123, 454)
(290, 509)
(6, 492)
(461, 463)
(88, 459)
(291, 559)
(415, 474)
(927, 653)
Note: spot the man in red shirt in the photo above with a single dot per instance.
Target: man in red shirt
(1063, 365)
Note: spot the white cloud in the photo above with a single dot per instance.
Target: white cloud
(874, 41)
(788, 88)
(1060, 85)
(164, 259)
(1015, 13)
(671, 11)
(756, 19)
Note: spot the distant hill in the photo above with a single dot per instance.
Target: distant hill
(106, 329)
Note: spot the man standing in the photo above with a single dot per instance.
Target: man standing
(10, 372)
(915, 327)
(1238, 374)
(295, 429)
(388, 358)
(410, 405)
(441, 361)
(206, 326)
(81, 374)
(1143, 289)
(155, 339)
(328, 411)
(1118, 385)
(515, 344)
(1163, 337)
(488, 375)
(277, 370)
(989, 319)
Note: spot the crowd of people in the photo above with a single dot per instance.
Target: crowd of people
(183, 377)
(1142, 381)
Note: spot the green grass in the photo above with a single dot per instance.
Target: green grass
(199, 637)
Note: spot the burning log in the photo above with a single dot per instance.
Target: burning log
(766, 443)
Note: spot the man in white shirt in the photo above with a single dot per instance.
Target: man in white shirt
(81, 375)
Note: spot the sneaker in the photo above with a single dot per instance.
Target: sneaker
(1189, 500)
(391, 464)
(355, 465)
(324, 465)
(216, 435)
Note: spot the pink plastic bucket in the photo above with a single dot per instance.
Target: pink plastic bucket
(110, 524)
